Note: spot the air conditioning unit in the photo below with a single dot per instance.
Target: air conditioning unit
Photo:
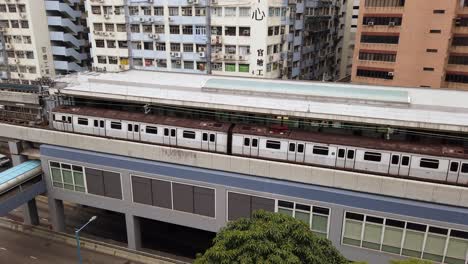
(201, 54)
(392, 24)
(370, 23)
(391, 73)
(141, 19)
(214, 2)
(150, 35)
(22, 15)
(241, 57)
(106, 16)
(20, 75)
(8, 46)
(111, 34)
(122, 67)
(175, 54)
(178, 62)
(150, 20)
(246, 31)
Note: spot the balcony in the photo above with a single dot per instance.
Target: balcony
(381, 28)
(459, 49)
(64, 22)
(67, 66)
(456, 68)
(375, 64)
(385, 10)
(63, 8)
(66, 37)
(379, 46)
(68, 52)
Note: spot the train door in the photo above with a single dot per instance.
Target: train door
(404, 165)
(394, 168)
(209, 141)
(133, 131)
(292, 151)
(246, 146)
(300, 152)
(350, 158)
(341, 157)
(453, 171)
(170, 136)
(254, 147)
(205, 145)
(99, 127)
(67, 123)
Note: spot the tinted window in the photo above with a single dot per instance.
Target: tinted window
(320, 150)
(205, 137)
(246, 141)
(212, 137)
(101, 123)
(355, 216)
(83, 121)
(166, 131)
(254, 142)
(454, 166)
(151, 130)
(136, 128)
(172, 132)
(372, 156)
(464, 168)
(189, 134)
(116, 125)
(130, 127)
(273, 144)
(350, 154)
(429, 163)
(292, 147)
(341, 153)
(69, 119)
(405, 161)
(395, 159)
(96, 123)
(300, 148)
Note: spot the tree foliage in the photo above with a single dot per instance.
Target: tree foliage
(411, 261)
(270, 238)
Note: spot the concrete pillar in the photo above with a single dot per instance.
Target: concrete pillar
(133, 231)
(57, 214)
(30, 214)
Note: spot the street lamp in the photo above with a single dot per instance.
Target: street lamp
(77, 235)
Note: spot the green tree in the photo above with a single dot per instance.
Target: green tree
(411, 261)
(269, 238)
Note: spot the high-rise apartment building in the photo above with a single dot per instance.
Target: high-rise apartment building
(41, 39)
(414, 43)
(348, 20)
(268, 39)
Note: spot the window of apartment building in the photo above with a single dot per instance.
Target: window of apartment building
(22, 69)
(176, 64)
(187, 29)
(67, 176)
(161, 46)
(110, 27)
(201, 66)
(103, 183)
(268, 67)
(173, 11)
(149, 63)
(10, 54)
(200, 30)
(133, 10)
(216, 31)
(14, 23)
(189, 65)
(113, 60)
(230, 67)
(200, 48)
(428, 69)
(138, 62)
(135, 28)
(187, 11)
(230, 11)
(29, 55)
(435, 31)
(148, 28)
(158, 11)
(4, 24)
(119, 10)
(200, 11)
(269, 49)
(162, 63)
(270, 31)
(244, 31)
(26, 39)
(230, 49)
(136, 45)
(271, 11)
(459, 41)
(244, 50)
(390, 21)
(3, 8)
(121, 28)
(456, 77)
(216, 48)
(372, 56)
(431, 50)
(175, 47)
(384, 3)
(277, 29)
(159, 29)
(244, 11)
(244, 68)
(111, 44)
(216, 11)
(19, 54)
(22, 8)
(380, 39)
(148, 45)
(97, 27)
(107, 10)
(230, 31)
(217, 66)
(32, 69)
(174, 29)
(379, 74)
(96, 10)
(146, 10)
(458, 59)
(122, 44)
(12, 8)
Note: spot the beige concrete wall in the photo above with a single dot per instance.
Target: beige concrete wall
(422, 191)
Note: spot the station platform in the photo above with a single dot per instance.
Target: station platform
(19, 185)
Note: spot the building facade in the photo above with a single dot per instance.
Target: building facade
(349, 14)
(41, 39)
(266, 39)
(412, 43)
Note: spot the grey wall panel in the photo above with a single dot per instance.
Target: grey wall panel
(238, 206)
(262, 203)
(204, 201)
(183, 197)
(112, 185)
(94, 181)
(141, 188)
(161, 191)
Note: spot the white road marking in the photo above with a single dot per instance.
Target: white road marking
(33, 257)
(2, 248)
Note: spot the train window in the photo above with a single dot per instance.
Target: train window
(246, 142)
(64, 118)
(172, 132)
(69, 119)
(129, 128)
(350, 154)
(151, 130)
(116, 125)
(320, 150)
(464, 168)
(292, 147)
(395, 159)
(454, 166)
(254, 142)
(273, 144)
(101, 123)
(405, 161)
(136, 128)
(205, 137)
(429, 163)
(300, 148)
(372, 156)
(82, 121)
(212, 137)
(53, 117)
(96, 123)
(341, 153)
(188, 134)
(166, 131)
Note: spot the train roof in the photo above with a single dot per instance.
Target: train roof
(356, 141)
(144, 118)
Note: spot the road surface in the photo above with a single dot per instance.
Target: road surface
(19, 248)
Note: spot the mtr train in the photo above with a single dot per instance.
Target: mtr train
(437, 163)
